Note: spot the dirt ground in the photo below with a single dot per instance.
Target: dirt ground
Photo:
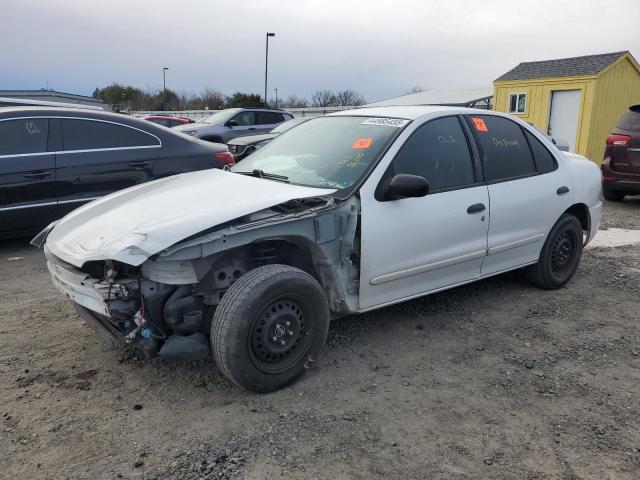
(493, 380)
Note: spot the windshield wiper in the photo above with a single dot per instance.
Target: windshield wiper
(262, 174)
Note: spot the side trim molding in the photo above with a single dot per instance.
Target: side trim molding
(518, 243)
(408, 272)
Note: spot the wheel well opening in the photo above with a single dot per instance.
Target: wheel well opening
(581, 212)
(285, 252)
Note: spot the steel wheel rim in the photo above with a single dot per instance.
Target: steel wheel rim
(563, 252)
(280, 334)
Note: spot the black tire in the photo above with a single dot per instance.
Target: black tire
(612, 195)
(560, 255)
(269, 326)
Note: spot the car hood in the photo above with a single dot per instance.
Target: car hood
(133, 224)
(192, 126)
(251, 139)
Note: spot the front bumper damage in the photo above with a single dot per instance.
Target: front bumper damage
(158, 319)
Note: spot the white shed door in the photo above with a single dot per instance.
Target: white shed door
(563, 119)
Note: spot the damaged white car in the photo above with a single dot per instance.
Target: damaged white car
(340, 215)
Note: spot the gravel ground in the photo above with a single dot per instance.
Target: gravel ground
(493, 380)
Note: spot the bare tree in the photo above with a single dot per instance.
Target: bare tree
(293, 101)
(349, 98)
(323, 98)
(211, 99)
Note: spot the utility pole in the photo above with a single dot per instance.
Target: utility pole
(276, 97)
(266, 65)
(164, 88)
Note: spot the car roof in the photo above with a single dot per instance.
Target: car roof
(409, 112)
(63, 111)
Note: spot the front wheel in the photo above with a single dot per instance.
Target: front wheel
(269, 326)
(560, 254)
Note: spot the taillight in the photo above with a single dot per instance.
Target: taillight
(226, 158)
(618, 140)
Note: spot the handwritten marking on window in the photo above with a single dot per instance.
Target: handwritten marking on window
(445, 139)
(351, 160)
(32, 128)
(505, 142)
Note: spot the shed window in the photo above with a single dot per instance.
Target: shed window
(517, 102)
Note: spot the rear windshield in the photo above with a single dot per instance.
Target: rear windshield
(631, 120)
(330, 152)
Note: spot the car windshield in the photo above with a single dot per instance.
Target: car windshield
(219, 117)
(329, 152)
(283, 127)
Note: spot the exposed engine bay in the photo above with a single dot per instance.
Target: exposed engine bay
(165, 305)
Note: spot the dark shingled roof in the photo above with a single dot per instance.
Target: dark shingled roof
(562, 67)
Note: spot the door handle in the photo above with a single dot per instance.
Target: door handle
(139, 164)
(37, 175)
(251, 128)
(476, 207)
(562, 190)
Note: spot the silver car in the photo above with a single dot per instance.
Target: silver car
(230, 123)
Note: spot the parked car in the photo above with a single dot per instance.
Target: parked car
(54, 159)
(343, 214)
(243, 146)
(167, 120)
(621, 164)
(224, 125)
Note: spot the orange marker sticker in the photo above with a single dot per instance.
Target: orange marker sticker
(479, 124)
(362, 143)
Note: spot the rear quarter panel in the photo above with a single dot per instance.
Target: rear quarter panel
(586, 179)
(180, 155)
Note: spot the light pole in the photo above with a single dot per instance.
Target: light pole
(276, 97)
(164, 88)
(266, 65)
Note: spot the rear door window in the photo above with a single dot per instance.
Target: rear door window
(92, 135)
(439, 152)
(503, 148)
(268, 118)
(25, 135)
(545, 162)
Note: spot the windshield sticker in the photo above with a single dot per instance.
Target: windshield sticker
(386, 122)
(479, 124)
(362, 143)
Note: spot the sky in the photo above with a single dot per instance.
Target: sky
(376, 47)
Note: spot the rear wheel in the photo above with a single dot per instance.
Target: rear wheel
(269, 326)
(612, 195)
(560, 254)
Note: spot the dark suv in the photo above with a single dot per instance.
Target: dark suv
(52, 160)
(621, 164)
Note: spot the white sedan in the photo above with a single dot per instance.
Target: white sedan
(342, 214)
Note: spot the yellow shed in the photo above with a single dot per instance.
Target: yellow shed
(578, 99)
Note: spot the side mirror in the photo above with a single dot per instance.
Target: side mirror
(232, 123)
(404, 185)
